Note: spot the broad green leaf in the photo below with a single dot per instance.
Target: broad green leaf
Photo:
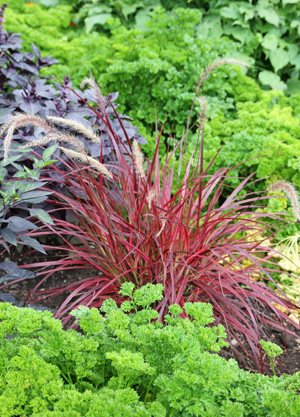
(248, 10)
(279, 59)
(49, 151)
(49, 3)
(296, 62)
(271, 79)
(270, 42)
(269, 15)
(210, 26)
(25, 187)
(293, 86)
(284, 2)
(18, 167)
(128, 9)
(3, 173)
(32, 173)
(46, 163)
(293, 50)
(11, 159)
(42, 215)
(99, 19)
(12, 190)
(99, 9)
(20, 175)
(230, 12)
(296, 24)
(237, 32)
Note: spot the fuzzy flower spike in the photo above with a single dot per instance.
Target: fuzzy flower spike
(290, 192)
(76, 127)
(87, 159)
(21, 120)
(138, 159)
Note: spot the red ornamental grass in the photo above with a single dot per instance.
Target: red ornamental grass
(140, 226)
(136, 229)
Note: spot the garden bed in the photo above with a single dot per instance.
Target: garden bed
(289, 362)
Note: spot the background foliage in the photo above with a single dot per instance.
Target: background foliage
(155, 70)
(266, 30)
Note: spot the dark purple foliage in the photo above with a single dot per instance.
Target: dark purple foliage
(13, 272)
(22, 90)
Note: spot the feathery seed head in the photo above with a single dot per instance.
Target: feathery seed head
(77, 127)
(202, 115)
(101, 101)
(72, 140)
(21, 120)
(57, 137)
(87, 159)
(291, 193)
(86, 81)
(216, 64)
(163, 221)
(150, 197)
(138, 159)
(44, 141)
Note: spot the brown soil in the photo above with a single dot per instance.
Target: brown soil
(289, 362)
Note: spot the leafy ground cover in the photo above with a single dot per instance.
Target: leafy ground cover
(125, 364)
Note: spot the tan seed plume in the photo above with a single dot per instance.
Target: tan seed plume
(291, 193)
(101, 101)
(72, 140)
(138, 159)
(216, 64)
(40, 142)
(58, 137)
(150, 197)
(202, 115)
(85, 158)
(77, 127)
(163, 224)
(21, 120)
(85, 82)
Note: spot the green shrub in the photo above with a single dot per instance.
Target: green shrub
(266, 30)
(154, 70)
(157, 67)
(265, 134)
(130, 365)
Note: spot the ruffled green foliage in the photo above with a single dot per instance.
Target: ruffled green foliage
(130, 365)
(156, 70)
(156, 67)
(265, 30)
(22, 17)
(266, 132)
